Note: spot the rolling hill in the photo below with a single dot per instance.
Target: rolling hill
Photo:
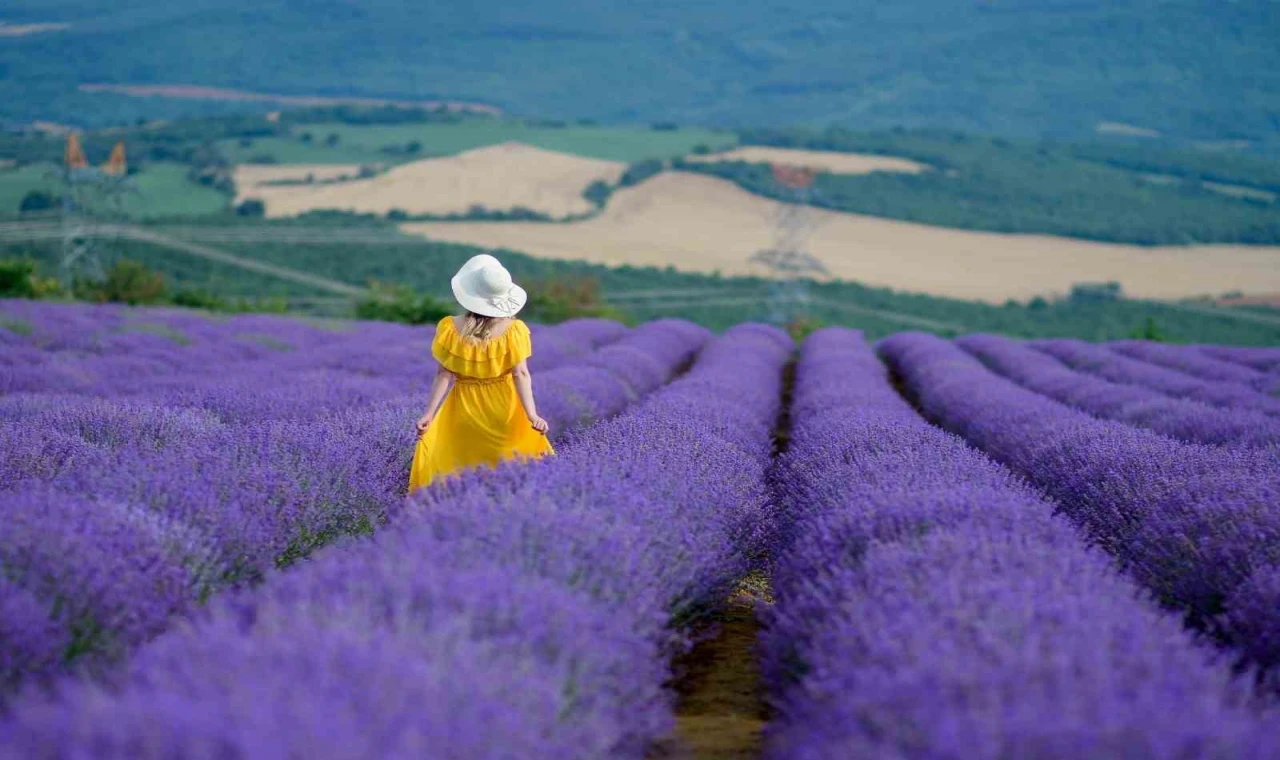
(704, 224)
(1184, 69)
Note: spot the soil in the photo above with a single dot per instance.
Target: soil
(721, 711)
(823, 161)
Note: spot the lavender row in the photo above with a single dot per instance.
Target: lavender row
(120, 512)
(928, 600)
(1097, 360)
(1197, 525)
(1197, 364)
(1182, 419)
(524, 612)
(235, 366)
(1261, 359)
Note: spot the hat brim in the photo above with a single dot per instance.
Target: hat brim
(510, 306)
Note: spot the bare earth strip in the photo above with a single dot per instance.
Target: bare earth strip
(498, 177)
(704, 224)
(823, 161)
(198, 92)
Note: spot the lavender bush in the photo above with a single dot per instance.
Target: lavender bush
(526, 611)
(1196, 363)
(1183, 419)
(1262, 359)
(1097, 360)
(131, 495)
(1195, 524)
(929, 603)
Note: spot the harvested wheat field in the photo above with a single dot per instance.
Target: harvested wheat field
(498, 177)
(818, 160)
(703, 224)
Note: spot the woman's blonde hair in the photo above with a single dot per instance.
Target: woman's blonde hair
(477, 326)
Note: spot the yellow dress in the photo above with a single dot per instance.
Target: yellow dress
(482, 420)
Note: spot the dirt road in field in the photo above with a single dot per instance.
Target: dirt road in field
(198, 92)
(705, 224)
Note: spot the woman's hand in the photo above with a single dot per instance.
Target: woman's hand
(539, 424)
(424, 422)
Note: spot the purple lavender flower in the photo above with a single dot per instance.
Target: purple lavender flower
(928, 600)
(1189, 522)
(1182, 419)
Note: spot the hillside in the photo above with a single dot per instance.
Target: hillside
(315, 266)
(703, 224)
(504, 176)
(1184, 69)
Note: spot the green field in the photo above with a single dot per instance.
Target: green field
(361, 144)
(647, 293)
(18, 181)
(159, 191)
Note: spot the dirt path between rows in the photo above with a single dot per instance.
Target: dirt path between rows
(721, 711)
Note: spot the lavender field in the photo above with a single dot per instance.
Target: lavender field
(978, 548)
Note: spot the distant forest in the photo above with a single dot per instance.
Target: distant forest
(1195, 70)
(1117, 190)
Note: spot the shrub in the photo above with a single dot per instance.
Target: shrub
(253, 207)
(19, 279)
(37, 200)
(127, 281)
(401, 303)
(557, 299)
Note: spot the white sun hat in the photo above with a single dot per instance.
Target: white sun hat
(483, 286)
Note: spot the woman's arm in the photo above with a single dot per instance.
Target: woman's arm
(439, 389)
(524, 389)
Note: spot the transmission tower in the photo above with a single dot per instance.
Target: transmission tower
(789, 263)
(92, 207)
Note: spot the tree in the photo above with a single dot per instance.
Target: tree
(251, 207)
(37, 200)
(332, 139)
(640, 171)
(598, 193)
(413, 147)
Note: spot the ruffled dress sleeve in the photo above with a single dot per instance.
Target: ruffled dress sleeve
(483, 360)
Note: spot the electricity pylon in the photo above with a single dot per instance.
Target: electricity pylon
(788, 261)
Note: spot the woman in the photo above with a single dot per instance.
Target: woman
(481, 409)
